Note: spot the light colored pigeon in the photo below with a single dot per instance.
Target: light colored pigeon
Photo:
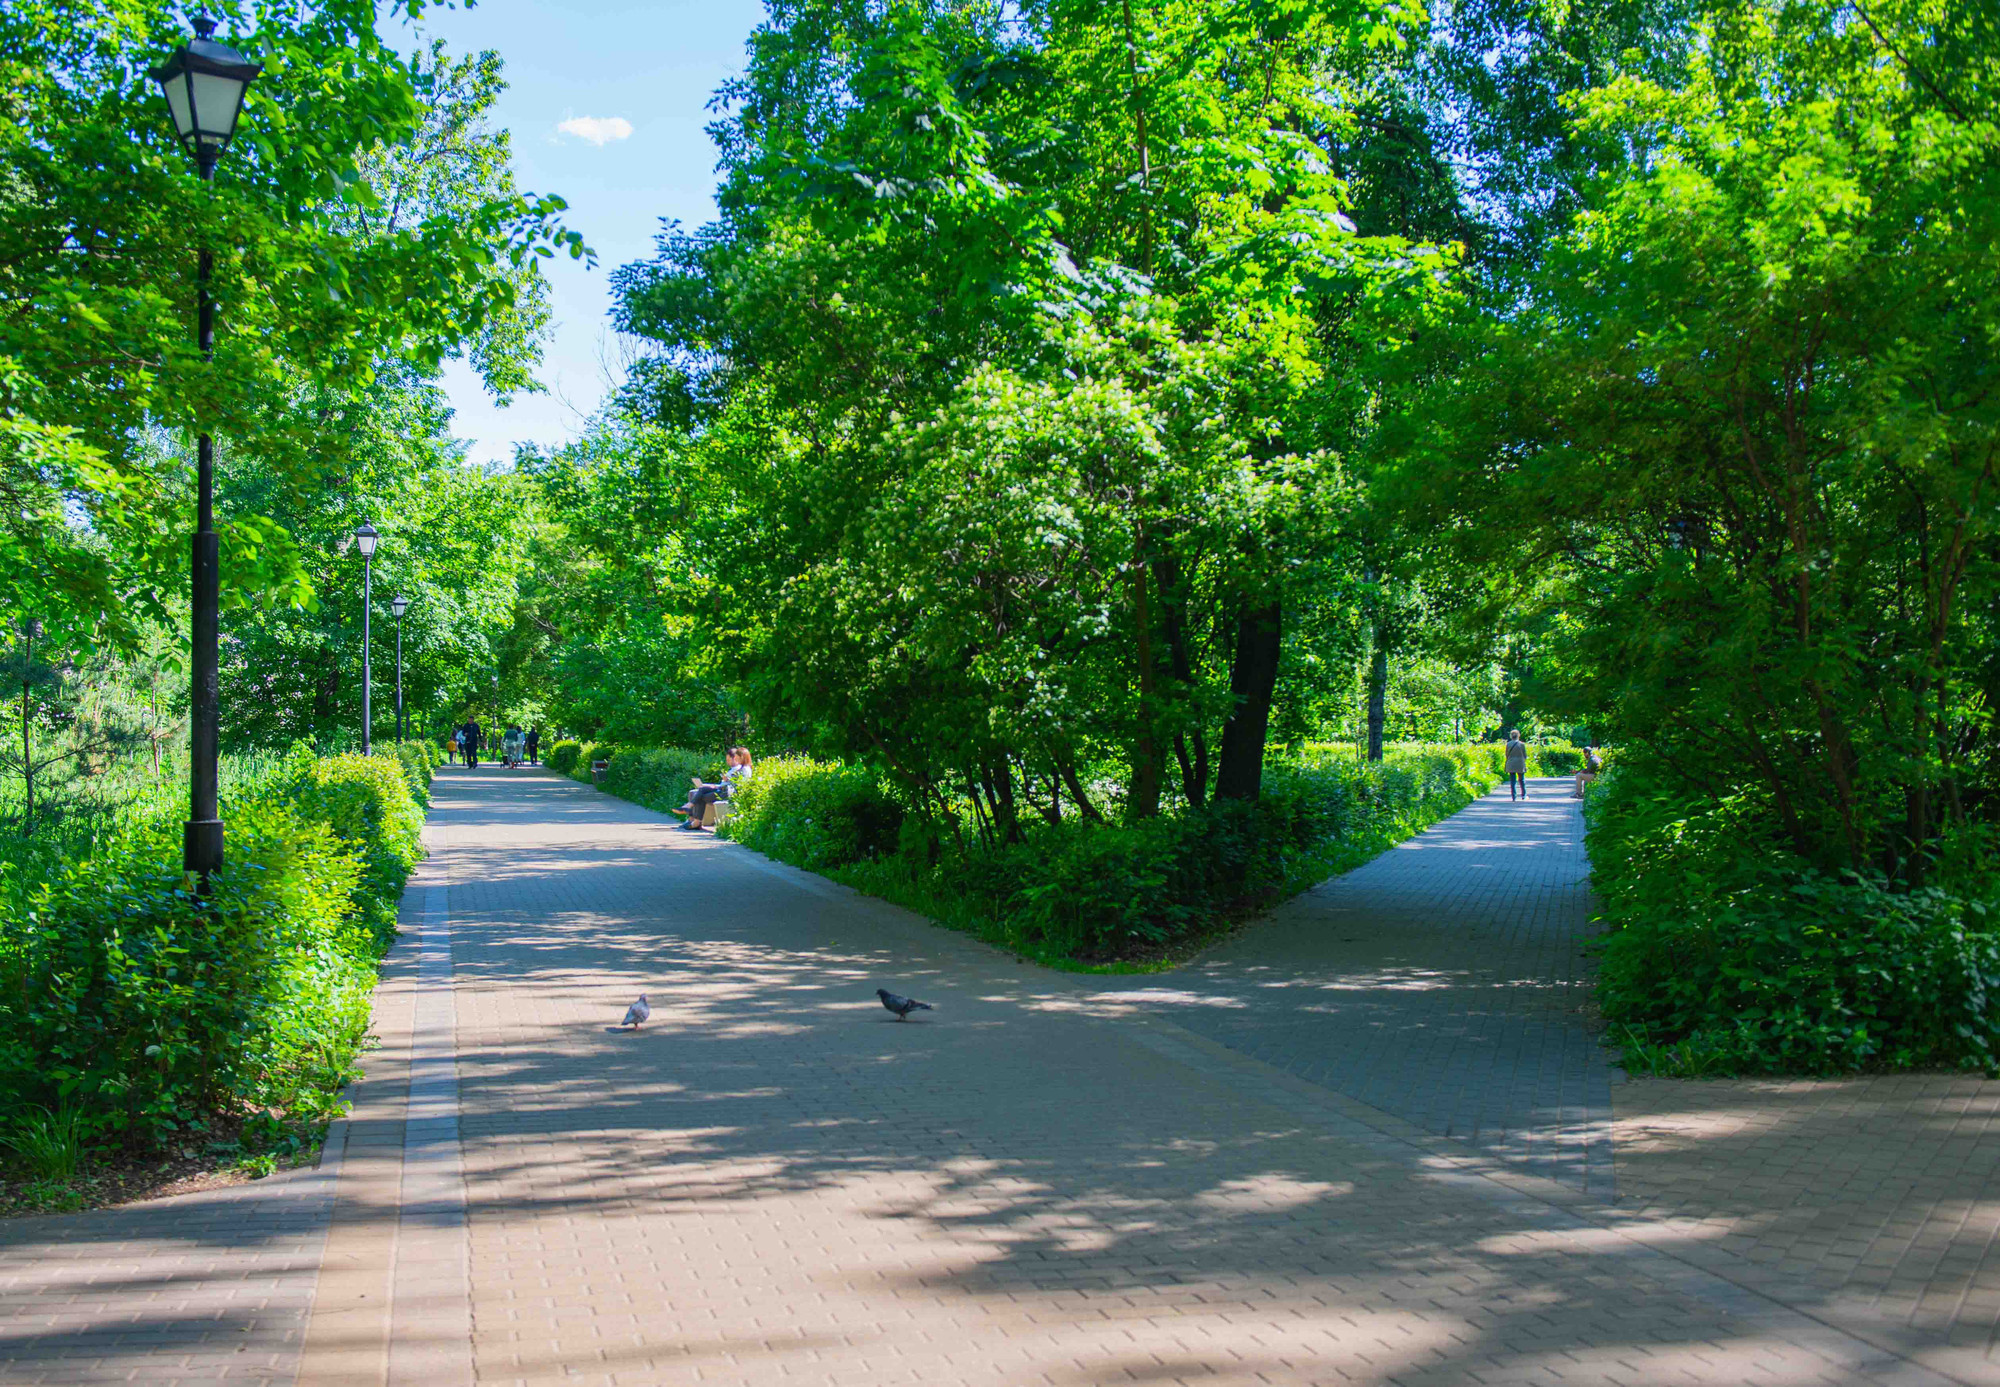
(902, 1006)
(637, 1012)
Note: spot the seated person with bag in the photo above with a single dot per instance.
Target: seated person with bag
(704, 795)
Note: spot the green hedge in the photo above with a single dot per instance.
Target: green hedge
(1726, 954)
(1097, 894)
(152, 1011)
(813, 814)
(574, 759)
(657, 777)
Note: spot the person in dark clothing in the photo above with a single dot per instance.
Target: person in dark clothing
(472, 744)
(534, 744)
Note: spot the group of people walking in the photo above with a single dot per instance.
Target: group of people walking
(516, 746)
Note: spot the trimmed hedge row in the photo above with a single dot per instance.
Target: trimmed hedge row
(151, 1010)
(1081, 893)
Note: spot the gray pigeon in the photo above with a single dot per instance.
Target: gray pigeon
(902, 1006)
(637, 1012)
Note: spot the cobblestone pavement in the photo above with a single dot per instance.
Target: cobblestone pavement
(206, 1287)
(775, 1181)
(1877, 1195)
(1444, 982)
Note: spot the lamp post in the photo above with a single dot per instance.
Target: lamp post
(399, 604)
(365, 539)
(204, 82)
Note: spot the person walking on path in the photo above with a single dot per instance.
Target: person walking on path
(535, 745)
(1517, 765)
(471, 730)
(457, 744)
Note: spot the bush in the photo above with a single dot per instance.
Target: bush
(366, 801)
(1095, 893)
(587, 754)
(658, 778)
(1727, 954)
(562, 757)
(816, 815)
(147, 1010)
(419, 760)
(1080, 891)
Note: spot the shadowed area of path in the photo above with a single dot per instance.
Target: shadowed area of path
(1038, 1183)
(1444, 982)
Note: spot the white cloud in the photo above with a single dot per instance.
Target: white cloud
(599, 130)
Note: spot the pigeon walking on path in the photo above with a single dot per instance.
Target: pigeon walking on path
(902, 1006)
(637, 1012)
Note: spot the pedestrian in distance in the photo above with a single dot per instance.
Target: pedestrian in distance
(457, 745)
(535, 745)
(1516, 765)
(471, 730)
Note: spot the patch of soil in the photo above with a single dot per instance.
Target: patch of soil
(109, 1179)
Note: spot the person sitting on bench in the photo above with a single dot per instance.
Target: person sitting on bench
(739, 771)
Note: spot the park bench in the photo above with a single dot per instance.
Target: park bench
(716, 812)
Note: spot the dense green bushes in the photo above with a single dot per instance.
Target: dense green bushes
(1727, 953)
(657, 777)
(816, 815)
(574, 759)
(150, 1011)
(1101, 893)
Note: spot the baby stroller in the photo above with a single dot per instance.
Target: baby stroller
(514, 747)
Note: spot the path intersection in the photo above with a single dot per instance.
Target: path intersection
(1369, 1140)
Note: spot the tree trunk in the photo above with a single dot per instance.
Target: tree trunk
(1253, 675)
(1378, 698)
(1142, 798)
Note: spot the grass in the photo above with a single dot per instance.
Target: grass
(49, 1144)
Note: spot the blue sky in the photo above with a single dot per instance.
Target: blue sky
(632, 82)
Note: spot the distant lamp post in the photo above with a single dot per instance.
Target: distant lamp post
(365, 539)
(204, 82)
(400, 604)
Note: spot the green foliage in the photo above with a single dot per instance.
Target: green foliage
(658, 778)
(1726, 953)
(587, 755)
(364, 227)
(367, 802)
(49, 1144)
(418, 761)
(1080, 893)
(148, 1010)
(563, 756)
(814, 814)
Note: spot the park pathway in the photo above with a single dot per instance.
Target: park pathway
(1444, 982)
(1046, 1180)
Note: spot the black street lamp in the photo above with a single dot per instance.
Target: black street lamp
(204, 82)
(400, 604)
(366, 539)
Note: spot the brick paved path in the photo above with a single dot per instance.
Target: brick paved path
(1444, 982)
(776, 1182)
